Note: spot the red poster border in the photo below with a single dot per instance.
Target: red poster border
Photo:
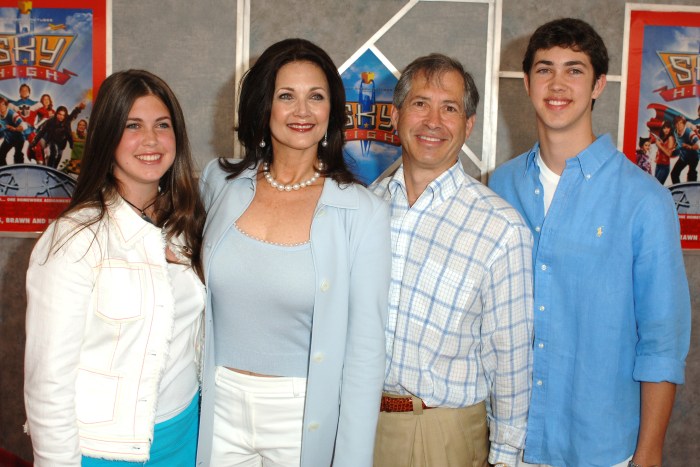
(638, 20)
(655, 15)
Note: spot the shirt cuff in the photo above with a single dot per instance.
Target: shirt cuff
(654, 369)
(504, 454)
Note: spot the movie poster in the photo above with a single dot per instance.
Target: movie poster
(371, 145)
(52, 60)
(662, 115)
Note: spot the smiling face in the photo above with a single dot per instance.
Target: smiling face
(147, 147)
(300, 108)
(432, 123)
(561, 85)
(680, 126)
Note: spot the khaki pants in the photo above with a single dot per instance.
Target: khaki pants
(433, 438)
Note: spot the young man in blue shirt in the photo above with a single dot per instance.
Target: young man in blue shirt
(612, 308)
(687, 148)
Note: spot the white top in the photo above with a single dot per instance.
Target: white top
(100, 323)
(549, 181)
(180, 381)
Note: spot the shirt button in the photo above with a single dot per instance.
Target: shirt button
(537, 229)
(588, 176)
(541, 307)
(314, 426)
(539, 382)
(540, 345)
(318, 357)
(325, 285)
(543, 267)
(537, 191)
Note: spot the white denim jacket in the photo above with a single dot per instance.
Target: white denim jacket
(100, 318)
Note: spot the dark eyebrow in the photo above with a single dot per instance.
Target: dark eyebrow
(138, 119)
(569, 63)
(290, 88)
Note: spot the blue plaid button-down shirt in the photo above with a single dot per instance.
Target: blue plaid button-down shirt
(460, 304)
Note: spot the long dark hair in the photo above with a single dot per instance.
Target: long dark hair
(178, 208)
(255, 106)
(665, 124)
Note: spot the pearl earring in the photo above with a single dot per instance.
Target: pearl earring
(324, 143)
(262, 144)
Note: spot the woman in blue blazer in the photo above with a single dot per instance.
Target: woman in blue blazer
(297, 266)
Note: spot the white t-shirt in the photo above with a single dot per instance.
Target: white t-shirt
(549, 181)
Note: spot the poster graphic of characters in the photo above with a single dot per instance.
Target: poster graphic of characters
(662, 126)
(371, 145)
(52, 58)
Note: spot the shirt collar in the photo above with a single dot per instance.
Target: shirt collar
(588, 161)
(437, 191)
(128, 222)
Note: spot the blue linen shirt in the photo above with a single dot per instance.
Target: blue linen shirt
(612, 306)
(460, 303)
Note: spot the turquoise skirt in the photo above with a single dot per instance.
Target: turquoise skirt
(174, 442)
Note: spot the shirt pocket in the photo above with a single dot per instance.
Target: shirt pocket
(96, 396)
(120, 291)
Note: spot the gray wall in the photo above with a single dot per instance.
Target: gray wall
(192, 46)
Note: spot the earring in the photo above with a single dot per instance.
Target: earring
(324, 143)
(262, 144)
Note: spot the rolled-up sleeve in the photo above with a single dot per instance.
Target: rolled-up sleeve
(661, 296)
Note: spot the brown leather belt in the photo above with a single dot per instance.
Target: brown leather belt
(399, 404)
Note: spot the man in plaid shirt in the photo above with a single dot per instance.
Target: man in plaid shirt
(459, 332)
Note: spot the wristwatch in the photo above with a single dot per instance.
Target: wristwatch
(632, 464)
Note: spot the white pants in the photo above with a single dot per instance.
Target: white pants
(257, 420)
(521, 463)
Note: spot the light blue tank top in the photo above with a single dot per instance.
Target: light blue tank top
(262, 305)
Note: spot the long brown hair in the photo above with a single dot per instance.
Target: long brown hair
(178, 208)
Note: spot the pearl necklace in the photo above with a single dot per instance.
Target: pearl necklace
(296, 186)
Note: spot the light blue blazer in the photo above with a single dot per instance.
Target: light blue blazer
(350, 245)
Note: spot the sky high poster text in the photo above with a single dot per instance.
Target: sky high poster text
(371, 145)
(52, 60)
(662, 115)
